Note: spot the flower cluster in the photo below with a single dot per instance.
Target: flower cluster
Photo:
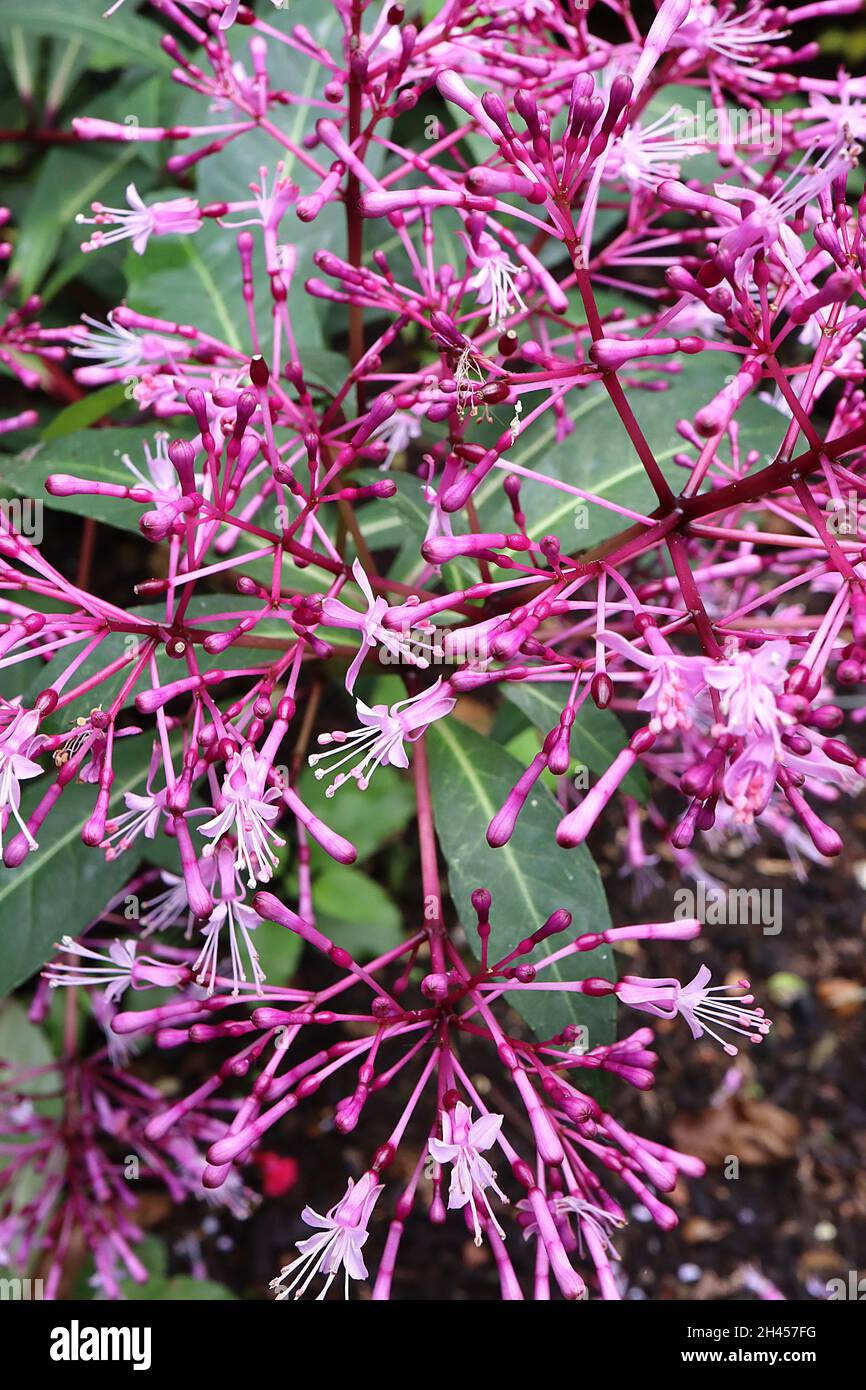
(431, 1043)
(528, 241)
(73, 1150)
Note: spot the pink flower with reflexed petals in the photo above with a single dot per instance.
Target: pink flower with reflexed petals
(117, 967)
(700, 1005)
(141, 817)
(461, 1145)
(381, 736)
(370, 625)
(138, 223)
(248, 811)
(341, 1236)
(494, 279)
(765, 221)
(17, 742)
(674, 683)
(748, 683)
(750, 779)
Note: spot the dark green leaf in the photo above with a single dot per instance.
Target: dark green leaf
(528, 878)
(598, 456)
(596, 737)
(91, 408)
(23, 1043)
(63, 885)
(356, 912)
(96, 454)
(124, 39)
(279, 952)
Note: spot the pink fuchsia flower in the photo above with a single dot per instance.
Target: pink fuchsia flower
(836, 120)
(381, 737)
(267, 211)
(234, 917)
(159, 475)
(397, 433)
(748, 684)
(721, 29)
(642, 155)
(141, 817)
(342, 1234)
(138, 223)
(494, 278)
(675, 681)
(249, 812)
(117, 969)
(239, 921)
(749, 781)
(463, 1140)
(592, 1221)
(169, 907)
(764, 221)
(113, 348)
(17, 742)
(699, 1004)
(592, 1218)
(370, 625)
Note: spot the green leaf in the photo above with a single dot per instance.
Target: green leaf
(68, 181)
(96, 454)
(197, 279)
(596, 736)
(368, 819)
(22, 1043)
(226, 175)
(470, 777)
(279, 952)
(124, 39)
(182, 1288)
(91, 408)
(599, 457)
(63, 885)
(356, 912)
(25, 1045)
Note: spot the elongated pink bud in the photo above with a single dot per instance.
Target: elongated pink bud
(440, 549)
(684, 930)
(454, 89)
(838, 287)
(383, 204)
(671, 14)
(270, 907)
(713, 418)
(336, 845)
(574, 828)
(611, 353)
(64, 485)
(148, 701)
(91, 128)
(498, 182)
(678, 195)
